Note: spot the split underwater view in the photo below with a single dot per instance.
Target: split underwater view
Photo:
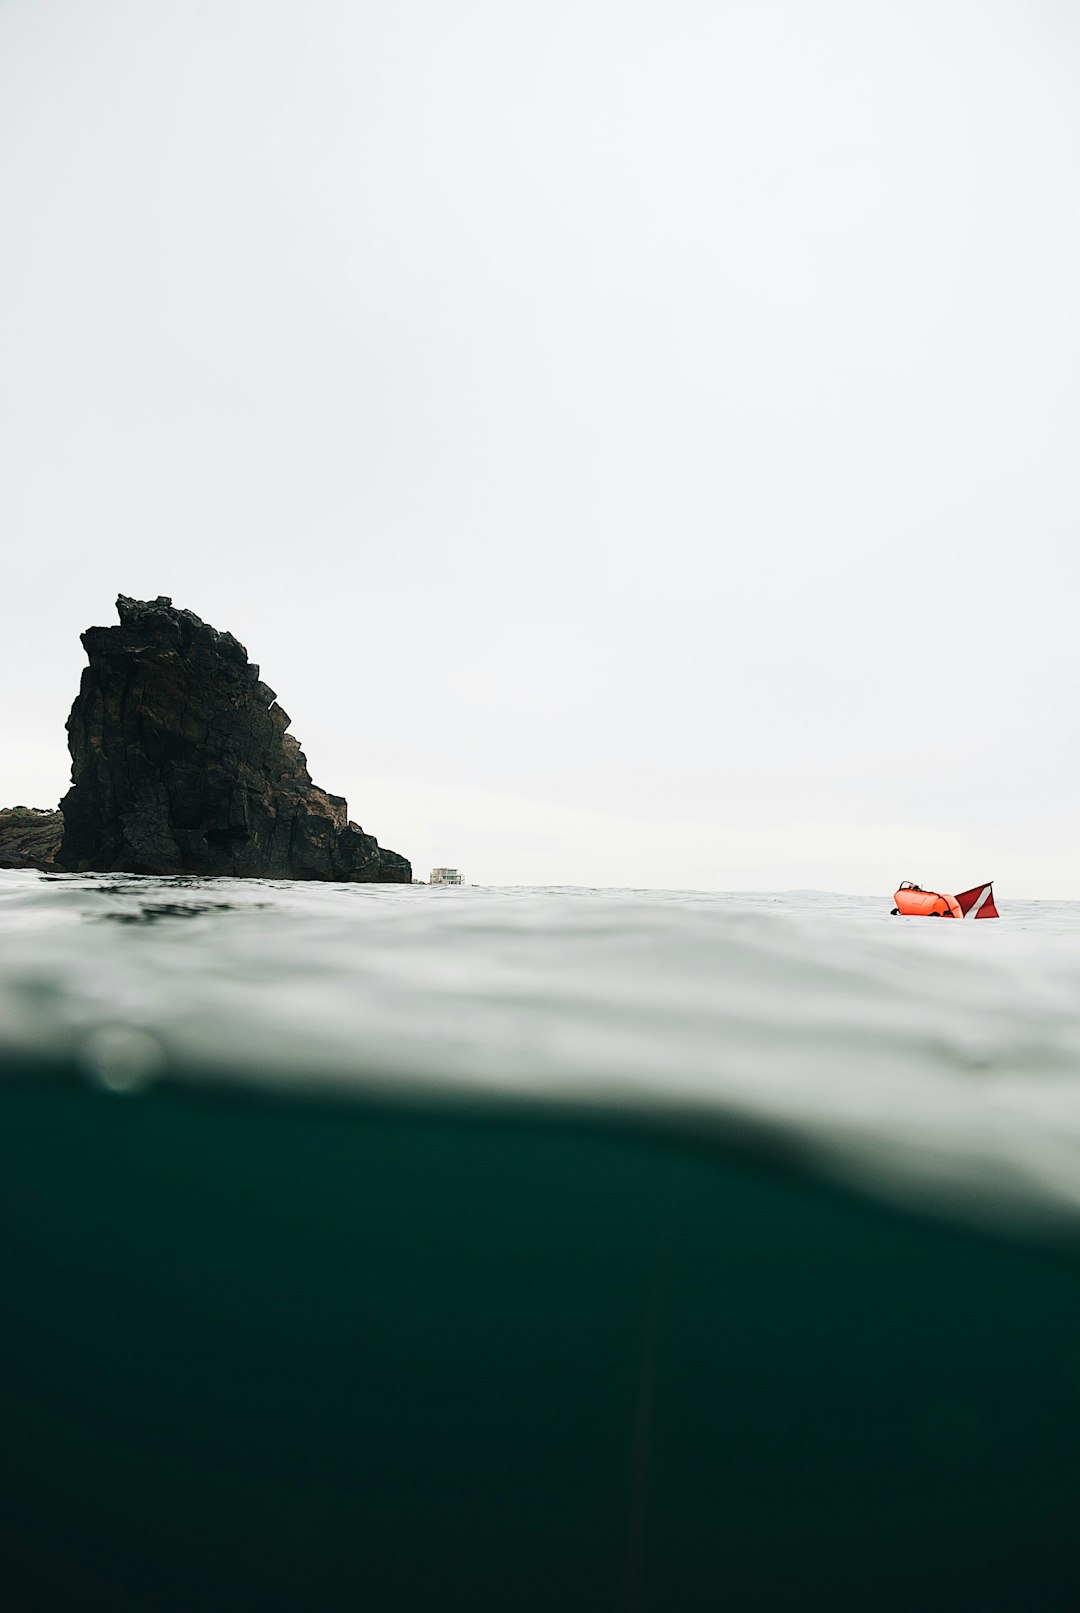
(380, 1246)
(478, 1158)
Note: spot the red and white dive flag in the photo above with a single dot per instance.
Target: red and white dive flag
(978, 903)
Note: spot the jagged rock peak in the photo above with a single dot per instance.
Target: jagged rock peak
(182, 763)
(160, 618)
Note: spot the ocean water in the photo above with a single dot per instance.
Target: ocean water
(406, 1246)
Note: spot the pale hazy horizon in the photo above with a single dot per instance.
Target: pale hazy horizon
(638, 443)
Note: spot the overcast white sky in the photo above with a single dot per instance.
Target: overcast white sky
(640, 442)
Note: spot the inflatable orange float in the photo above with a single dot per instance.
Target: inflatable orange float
(977, 903)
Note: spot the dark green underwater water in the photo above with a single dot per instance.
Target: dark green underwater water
(267, 1353)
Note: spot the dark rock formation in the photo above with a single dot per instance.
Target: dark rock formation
(29, 837)
(181, 764)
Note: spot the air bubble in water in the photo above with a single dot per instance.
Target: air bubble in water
(122, 1058)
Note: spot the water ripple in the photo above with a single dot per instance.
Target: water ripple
(937, 1059)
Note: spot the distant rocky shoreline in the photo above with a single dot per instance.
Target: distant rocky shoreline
(30, 837)
(182, 763)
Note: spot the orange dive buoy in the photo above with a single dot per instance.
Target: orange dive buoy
(977, 903)
(912, 899)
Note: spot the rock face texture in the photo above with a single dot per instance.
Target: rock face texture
(29, 837)
(182, 764)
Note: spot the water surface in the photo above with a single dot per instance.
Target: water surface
(399, 1247)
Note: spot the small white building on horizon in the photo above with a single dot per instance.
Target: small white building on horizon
(444, 876)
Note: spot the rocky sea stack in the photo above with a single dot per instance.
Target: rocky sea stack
(182, 763)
